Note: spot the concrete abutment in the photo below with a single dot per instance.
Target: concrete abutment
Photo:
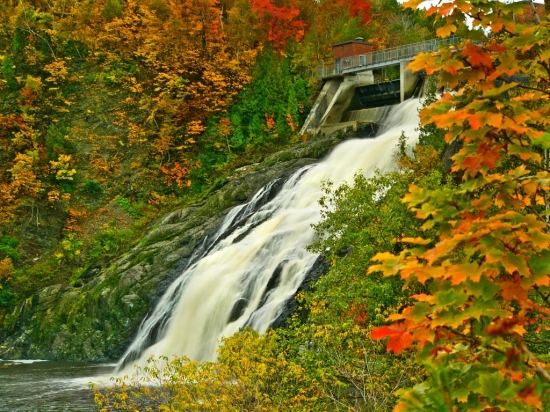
(330, 113)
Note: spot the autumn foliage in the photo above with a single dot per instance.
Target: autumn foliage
(281, 23)
(481, 326)
(131, 95)
(359, 8)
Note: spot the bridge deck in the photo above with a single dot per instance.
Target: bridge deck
(383, 58)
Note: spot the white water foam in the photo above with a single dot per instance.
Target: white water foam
(228, 288)
(21, 361)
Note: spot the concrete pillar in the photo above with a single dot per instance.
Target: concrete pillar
(340, 101)
(407, 80)
(319, 109)
(343, 96)
(334, 99)
(364, 78)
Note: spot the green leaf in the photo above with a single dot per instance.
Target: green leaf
(540, 265)
(490, 385)
(543, 141)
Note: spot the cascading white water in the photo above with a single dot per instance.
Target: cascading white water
(248, 275)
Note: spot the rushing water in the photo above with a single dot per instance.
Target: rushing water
(43, 386)
(258, 258)
(242, 276)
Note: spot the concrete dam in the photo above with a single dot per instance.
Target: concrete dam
(352, 98)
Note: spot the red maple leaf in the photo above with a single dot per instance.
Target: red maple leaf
(477, 56)
(400, 338)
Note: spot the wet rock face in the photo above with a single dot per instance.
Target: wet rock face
(290, 307)
(97, 319)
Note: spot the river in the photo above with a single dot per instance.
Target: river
(41, 386)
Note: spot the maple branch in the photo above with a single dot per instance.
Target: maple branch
(522, 86)
(446, 397)
(474, 340)
(474, 16)
(465, 61)
(477, 17)
(545, 65)
(536, 166)
(537, 366)
(536, 341)
(546, 298)
(527, 162)
(534, 211)
(532, 361)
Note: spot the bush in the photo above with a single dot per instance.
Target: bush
(248, 376)
(108, 242)
(339, 369)
(9, 73)
(28, 280)
(7, 248)
(57, 142)
(93, 188)
(112, 9)
(127, 206)
(66, 186)
(7, 298)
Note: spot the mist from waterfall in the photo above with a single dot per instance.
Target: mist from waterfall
(258, 258)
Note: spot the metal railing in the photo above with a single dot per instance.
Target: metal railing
(383, 58)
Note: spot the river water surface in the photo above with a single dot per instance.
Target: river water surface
(41, 386)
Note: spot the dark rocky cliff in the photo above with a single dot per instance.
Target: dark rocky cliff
(96, 319)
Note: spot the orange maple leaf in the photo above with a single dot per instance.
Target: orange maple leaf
(513, 290)
(529, 396)
(400, 338)
(477, 56)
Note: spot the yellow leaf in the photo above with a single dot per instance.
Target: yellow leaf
(413, 4)
(446, 30)
(520, 330)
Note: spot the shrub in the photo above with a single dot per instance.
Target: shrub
(7, 248)
(112, 9)
(109, 241)
(7, 298)
(57, 141)
(127, 206)
(93, 188)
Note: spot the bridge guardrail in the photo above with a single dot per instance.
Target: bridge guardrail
(380, 57)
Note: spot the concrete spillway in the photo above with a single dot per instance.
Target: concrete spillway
(351, 92)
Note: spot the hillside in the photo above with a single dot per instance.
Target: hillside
(116, 112)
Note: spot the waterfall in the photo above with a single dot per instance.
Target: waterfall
(258, 258)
